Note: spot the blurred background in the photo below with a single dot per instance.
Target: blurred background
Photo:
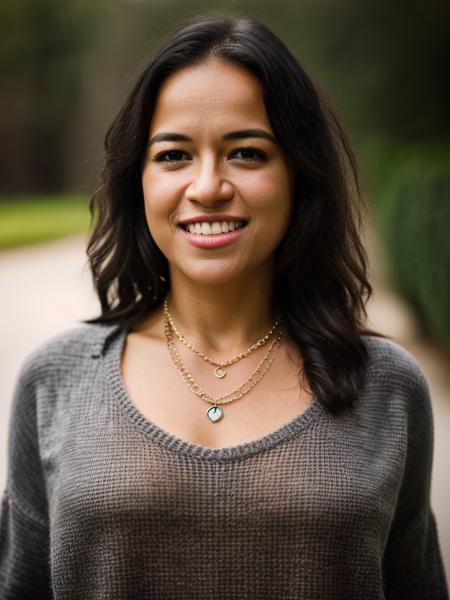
(66, 69)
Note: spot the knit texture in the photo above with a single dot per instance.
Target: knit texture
(100, 503)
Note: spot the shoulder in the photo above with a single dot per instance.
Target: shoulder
(391, 362)
(395, 381)
(65, 352)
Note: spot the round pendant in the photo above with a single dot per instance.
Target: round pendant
(219, 372)
(214, 414)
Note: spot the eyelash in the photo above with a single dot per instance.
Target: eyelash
(161, 156)
(260, 155)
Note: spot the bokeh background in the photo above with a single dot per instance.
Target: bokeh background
(66, 69)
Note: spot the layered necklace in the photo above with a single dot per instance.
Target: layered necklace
(215, 412)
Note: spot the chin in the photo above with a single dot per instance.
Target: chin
(214, 281)
(214, 276)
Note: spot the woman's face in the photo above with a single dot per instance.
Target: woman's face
(213, 160)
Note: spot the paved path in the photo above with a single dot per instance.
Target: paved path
(44, 290)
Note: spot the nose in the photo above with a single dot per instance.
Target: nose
(208, 186)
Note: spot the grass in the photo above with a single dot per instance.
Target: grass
(27, 221)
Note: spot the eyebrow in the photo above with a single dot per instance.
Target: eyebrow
(233, 135)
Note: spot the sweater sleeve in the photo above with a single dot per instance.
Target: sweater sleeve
(24, 531)
(413, 566)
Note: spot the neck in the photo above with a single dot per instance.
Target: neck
(220, 319)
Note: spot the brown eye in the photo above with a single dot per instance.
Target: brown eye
(249, 154)
(171, 156)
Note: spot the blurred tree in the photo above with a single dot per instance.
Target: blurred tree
(386, 62)
(42, 43)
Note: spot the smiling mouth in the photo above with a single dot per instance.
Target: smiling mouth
(212, 229)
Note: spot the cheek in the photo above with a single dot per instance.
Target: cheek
(148, 214)
(157, 222)
(270, 197)
(154, 213)
(160, 200)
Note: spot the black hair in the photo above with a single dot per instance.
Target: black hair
(320, 279)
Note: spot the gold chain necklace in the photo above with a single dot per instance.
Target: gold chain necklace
(219, 371)
(215, 413)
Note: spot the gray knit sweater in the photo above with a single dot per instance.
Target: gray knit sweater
(100, 503)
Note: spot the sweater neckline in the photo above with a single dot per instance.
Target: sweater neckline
(112, 360)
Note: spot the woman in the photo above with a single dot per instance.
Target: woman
(227, 428)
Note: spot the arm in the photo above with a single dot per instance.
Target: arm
(24, 532)
(412, 562)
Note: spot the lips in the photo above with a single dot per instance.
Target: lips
(212, 240)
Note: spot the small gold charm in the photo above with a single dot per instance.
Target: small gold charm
(219, 372)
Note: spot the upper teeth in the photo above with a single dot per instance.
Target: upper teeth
(205, 228)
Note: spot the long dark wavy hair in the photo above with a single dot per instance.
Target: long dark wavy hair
(320, 280)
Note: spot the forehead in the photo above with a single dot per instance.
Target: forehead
(212, 92)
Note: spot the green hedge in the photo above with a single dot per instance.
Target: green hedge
(412, 208)
(33, 220)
